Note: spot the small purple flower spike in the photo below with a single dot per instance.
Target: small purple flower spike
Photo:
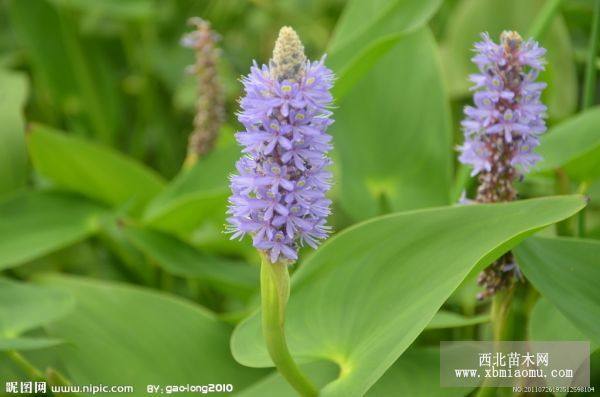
(502, 129)
(278, 192)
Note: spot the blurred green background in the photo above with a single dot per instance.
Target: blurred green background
(95, 114)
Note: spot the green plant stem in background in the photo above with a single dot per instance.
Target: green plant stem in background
(275, 292)
(56, 378)
(589, 86)
(463, 174)
(501, 305)
(84, 78)
(589, 92)
(544, 18)
(583, 188)
(563, 187)
(25, 365)
(52, 376)
(510, 313)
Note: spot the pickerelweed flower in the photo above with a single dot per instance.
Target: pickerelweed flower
(278, 192)
(210, 105)
(503, 128)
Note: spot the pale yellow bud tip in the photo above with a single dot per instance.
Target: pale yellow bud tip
(288, 55)
(511, 39)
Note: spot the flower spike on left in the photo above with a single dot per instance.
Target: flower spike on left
(210, 107)
(278, 193)
(279, 190)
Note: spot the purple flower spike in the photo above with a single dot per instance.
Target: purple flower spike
(502, 129)
(278, 192)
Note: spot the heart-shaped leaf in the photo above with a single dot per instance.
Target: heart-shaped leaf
(148, 338)
(33, 224)
(393, 143)
(90, 169)
(573, 145)
(471, 17)
(367, 293)
(446, 319)
(411, 375)
(566, 272)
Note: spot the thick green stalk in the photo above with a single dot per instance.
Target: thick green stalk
(589, 86)
(504, 327)
(501, 319)
(275, 291)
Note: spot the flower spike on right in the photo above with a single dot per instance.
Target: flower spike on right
(502, 129)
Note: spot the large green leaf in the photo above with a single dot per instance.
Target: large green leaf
(393, 142)
(367, 293)
(24, 307)
(181, 259)
(573, 145)
(197, 195)
(446, 319)
(415, 374)
(321, 373)
(471, 17)
(27, 343)
(547, 323)
(367, 30)
(90, 169)
(146, 337)
(13, 155)
(33, 224)
(410, 376)
(566, 272)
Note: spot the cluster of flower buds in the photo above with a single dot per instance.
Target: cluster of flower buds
(503, 128)
(210, 105)
(278, 192)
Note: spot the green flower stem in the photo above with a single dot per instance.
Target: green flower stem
(52, 376)
(510, 313)
(55, 378)
(544, 18)
(31, 370)
(275, 291)
(589, 86)
(501, 319)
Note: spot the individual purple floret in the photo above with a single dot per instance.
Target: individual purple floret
(280, 185)
(502, 128)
